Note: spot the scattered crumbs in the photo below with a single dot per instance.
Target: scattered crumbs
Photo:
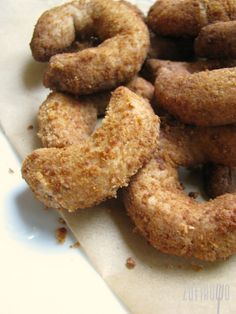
(61, 234)
(193, 194)
(10, 171)
(30, 127)
(182, 185)
(75, 245)
(61, 220)
(108, 210)
(196, 267)
(130, 263)
(45, 208)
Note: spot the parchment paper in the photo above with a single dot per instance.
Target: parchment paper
(159, 283)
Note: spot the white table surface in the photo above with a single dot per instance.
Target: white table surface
(37, 275)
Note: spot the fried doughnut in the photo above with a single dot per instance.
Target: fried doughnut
(175, 223)
(124, 37)
(205, 98)
(217, 40)
(171, 221)
(63, 120)
(219, 179)
(48, 41)
(80, 176)
(187, 17)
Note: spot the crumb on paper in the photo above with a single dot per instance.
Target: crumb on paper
(75, 245)
(30, 127)
(11, 171)
(193, 194)
(61, 220)
(130, 263)
(61, 234)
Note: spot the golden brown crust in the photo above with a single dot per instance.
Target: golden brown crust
(44, 42)
(175, 18)
(219, 179)
(64, 120)
(81, 176)
(187, 17)
(189, 145)
(179, 93)
(138, 85)
(124, 37)
(169, 219)
(141, 87)
(217, 40)
(56, 29)
(175, 223)
(153, 66)
(135, 9)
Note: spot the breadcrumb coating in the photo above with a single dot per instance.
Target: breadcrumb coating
(172, 221)
(187, 17)
(141, 87)
(175, 223)
(135, 9)
(125, 43)
(64, 120)
(189, 145)
(137, 84)
(217, 40)
(219, 179)
(205, 98)
(153, 66)
(80, 176)
(51, 37)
